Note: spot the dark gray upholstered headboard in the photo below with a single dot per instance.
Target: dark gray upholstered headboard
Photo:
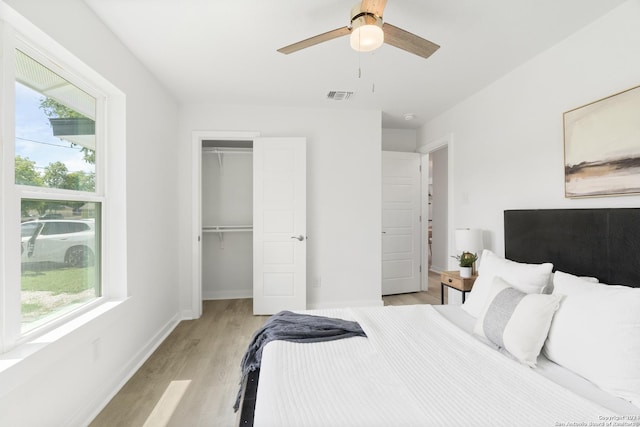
(602, 243)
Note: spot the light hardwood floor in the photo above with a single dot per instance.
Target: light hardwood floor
(192, 378)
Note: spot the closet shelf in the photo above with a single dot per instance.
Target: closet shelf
(226, 228)
(221, 150)
(221, 229)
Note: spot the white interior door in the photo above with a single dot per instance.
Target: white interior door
(279, 225)
(401, 245)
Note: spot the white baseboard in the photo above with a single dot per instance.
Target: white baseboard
(235, 294)
(105, 393)
(187, 315)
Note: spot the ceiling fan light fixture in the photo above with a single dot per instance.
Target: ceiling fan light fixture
(366, 32)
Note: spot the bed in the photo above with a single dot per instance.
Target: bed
(567, 351)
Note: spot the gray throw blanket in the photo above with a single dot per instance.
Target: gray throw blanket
(288, 326)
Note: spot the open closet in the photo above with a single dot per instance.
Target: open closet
(227, 219)
(249, 220)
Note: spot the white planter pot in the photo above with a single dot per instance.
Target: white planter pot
(465, 272)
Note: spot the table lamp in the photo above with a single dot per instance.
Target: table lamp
(469, 240)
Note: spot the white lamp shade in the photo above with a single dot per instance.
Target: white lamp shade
(469, 240)
(366, 38)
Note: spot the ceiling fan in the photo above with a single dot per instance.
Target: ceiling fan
(368, 32)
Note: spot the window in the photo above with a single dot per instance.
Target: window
(55, 208)
(55, 139)
(55, 149)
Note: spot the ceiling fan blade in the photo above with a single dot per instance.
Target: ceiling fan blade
(373, 6)
(407, 41)
(320, 38)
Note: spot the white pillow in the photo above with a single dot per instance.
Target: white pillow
(517, 321)
(528, 278)
(596, 333)
(549, 288)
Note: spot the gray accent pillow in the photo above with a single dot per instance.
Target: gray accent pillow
(516, 321)
(499, 313)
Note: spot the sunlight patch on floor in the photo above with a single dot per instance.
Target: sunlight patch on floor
(167, 404)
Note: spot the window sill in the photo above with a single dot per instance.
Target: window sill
(27, 359)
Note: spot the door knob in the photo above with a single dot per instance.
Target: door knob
(300, 237)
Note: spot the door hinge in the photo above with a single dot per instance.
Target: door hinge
(420, 168)
(420, 269)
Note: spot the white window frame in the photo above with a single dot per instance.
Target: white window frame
(110, 191)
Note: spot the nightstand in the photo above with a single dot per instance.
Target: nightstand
(453, 280)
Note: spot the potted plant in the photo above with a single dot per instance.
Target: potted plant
(466, 260)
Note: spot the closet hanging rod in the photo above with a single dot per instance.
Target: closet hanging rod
(220, 230)
(226, 228)
(225, 151)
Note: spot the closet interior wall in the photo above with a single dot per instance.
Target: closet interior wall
(227, 219)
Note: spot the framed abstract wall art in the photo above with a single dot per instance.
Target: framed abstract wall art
(602, 147)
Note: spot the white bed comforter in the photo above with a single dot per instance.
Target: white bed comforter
(414, 369)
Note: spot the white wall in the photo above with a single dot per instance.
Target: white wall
(343, 194)
(399, 140)
(93, 362)
(508, 138)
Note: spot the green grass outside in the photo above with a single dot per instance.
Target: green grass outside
(30, 308)
(58, 279)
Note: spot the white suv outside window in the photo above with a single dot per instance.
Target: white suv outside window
(59, 241)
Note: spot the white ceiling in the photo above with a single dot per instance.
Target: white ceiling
(224, 51)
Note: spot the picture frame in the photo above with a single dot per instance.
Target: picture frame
(602, 147)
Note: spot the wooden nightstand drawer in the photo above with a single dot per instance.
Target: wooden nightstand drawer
(453, 280)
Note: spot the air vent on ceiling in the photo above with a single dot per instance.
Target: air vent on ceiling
(339, 95)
